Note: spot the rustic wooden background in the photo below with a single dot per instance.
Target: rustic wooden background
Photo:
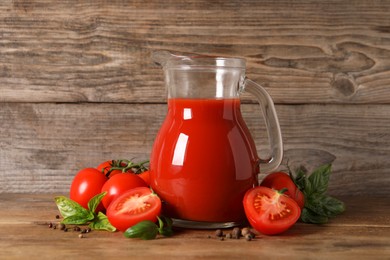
(78, 86)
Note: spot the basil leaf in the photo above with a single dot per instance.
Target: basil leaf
(70, 208)
(101, 223)
(165, 228)
(309, 216)
(93, 203)
(145, 230)
(325, 205)
(319, 179)
(300, 179)
(78, 219)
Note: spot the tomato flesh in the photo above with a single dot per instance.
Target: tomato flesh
(133, 206)
(269, 211)
(281, 180)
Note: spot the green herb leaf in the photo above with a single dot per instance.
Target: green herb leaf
(166, 224)
(324, 205)
(94, 202)
(145, 230)
(319, 207)
(309, 216)
(101, 223)
(319, 180)
(70, 209)
(300, 179)
(78, 219)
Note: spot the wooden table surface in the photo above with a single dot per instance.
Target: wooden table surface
(362, 232)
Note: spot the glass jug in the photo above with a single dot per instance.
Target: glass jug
(204, 159)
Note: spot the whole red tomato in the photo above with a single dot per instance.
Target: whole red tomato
(86, 184)
(133, 206)
(118, 184)
(269, 211)
(145, 176)
(281, 180)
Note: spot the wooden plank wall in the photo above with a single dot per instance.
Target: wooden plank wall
(77, 85)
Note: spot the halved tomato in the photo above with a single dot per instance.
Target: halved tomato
(132, 207)
(269, 211)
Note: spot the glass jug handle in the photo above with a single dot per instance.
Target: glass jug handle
(272, 125)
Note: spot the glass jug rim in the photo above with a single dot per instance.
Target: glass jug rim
(169, 60)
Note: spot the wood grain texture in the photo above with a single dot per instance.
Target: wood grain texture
(362, 232)
(99, 51)
(78, 86)
(43, 145)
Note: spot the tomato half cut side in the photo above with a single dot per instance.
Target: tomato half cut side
(269, 211)
(132, 207)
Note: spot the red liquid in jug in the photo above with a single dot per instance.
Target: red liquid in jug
(203, 160)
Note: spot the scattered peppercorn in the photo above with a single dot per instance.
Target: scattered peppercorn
(61, 226)
(218, 233)
(81, 236)
(236, 233)
(87, 230)
(245, 231)
(50, 225)
(57, 216)
(248, 237)
(65, 229)
(76, 228)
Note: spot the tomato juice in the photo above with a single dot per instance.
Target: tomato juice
(203, 160)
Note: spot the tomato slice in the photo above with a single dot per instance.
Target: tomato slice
(133, 206)
(269, 211)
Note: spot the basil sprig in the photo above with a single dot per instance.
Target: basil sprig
(74, 214)
(319, 207)
(147, 229)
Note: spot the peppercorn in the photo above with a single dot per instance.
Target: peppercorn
(76, 228)
(248, 237)
(218, 233)
(245, 231)
(61, 226)
(57, 216)
(87, 230)
(50, 225)
(81, 236)
(236, 233)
